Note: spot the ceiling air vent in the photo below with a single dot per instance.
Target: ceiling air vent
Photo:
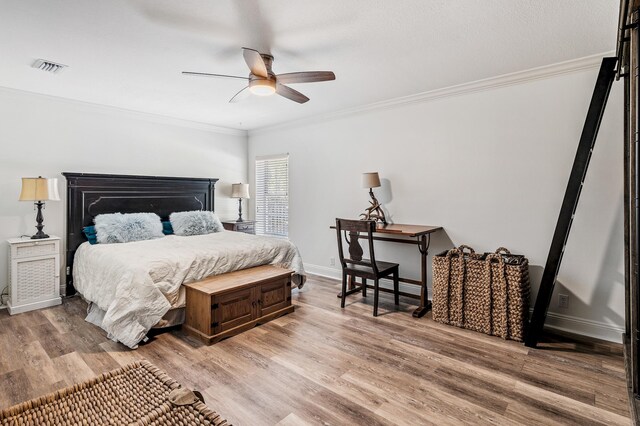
(48, 66)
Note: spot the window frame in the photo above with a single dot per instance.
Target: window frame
(261, 195)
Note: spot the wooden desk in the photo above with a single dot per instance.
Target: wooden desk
(422, 235)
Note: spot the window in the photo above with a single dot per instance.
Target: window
(272, 195)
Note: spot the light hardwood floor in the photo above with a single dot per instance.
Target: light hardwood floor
(324, 365)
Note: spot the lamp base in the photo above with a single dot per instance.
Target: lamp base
(39, 226)
(374, 211)
(39, 235)
(240, 211)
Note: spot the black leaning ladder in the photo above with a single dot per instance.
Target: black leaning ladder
(571, 197)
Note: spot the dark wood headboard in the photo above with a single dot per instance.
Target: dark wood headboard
(89, 195)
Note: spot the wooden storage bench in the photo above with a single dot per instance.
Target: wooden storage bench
(225, 305)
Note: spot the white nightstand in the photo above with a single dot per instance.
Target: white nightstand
(34, 274)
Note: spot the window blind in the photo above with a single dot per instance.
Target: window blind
(272, 195)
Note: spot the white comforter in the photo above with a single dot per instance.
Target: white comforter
(131, 286)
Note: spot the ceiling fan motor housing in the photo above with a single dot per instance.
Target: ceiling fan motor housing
(268, 61)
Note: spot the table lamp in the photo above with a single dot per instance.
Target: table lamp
(373, 212)
(39, 190)
(240, 191)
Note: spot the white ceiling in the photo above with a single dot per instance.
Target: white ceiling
(129, 53)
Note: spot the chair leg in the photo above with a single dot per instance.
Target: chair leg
(376, 292)
(344, 288)
(364, 287)
(396, 287)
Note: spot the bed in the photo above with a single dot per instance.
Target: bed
(133, 287)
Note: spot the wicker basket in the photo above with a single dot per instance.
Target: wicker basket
(488, 293)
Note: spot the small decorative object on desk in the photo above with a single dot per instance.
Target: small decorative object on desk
(240, 191)
(488, 293)
(39, 190)
(373, 212)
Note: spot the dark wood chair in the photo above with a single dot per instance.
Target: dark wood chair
(355, 266)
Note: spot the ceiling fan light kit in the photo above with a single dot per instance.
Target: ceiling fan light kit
(262, 81)
(262, 87)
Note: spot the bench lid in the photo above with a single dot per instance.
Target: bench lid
(241, 278)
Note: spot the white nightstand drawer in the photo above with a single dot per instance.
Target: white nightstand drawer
(35, 248)
(244, 227)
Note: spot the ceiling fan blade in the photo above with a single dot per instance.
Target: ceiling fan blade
(289, 93)
(205, 74)
(255, 62)
(305, 77)
(241, 95)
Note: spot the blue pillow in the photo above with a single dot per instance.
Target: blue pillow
(167, 229)
(90, 233)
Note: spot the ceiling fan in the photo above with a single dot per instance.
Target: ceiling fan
(264, 82)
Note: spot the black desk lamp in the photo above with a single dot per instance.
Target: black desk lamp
(39, 190)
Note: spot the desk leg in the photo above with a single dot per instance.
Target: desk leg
(425, 303)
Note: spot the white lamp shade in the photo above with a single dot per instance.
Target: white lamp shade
(370, 180)
(39, 189)
(240, 190)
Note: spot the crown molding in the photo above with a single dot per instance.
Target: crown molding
(123, 112)
(519, 77)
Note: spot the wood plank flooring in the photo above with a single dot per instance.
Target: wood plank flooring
(324, 365)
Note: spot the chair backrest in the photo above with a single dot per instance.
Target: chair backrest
(352, 230)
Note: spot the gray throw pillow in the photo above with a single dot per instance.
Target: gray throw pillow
(195, 223)
(124, 228)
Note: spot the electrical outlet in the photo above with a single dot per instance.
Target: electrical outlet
(332, 261)
(563, 301)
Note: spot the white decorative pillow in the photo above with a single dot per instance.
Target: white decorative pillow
(195, 223)
(124, 228)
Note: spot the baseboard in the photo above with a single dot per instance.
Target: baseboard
(323, 271)
(584, 327)
(555, 321)
(336, 274)
(33, 306)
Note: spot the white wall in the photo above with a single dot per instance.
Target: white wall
(490, 166)
(41, 135)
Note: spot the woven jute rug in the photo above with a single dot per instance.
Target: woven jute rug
(138, 394)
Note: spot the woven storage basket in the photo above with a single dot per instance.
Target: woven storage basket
(511, 305)
(488, 293)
